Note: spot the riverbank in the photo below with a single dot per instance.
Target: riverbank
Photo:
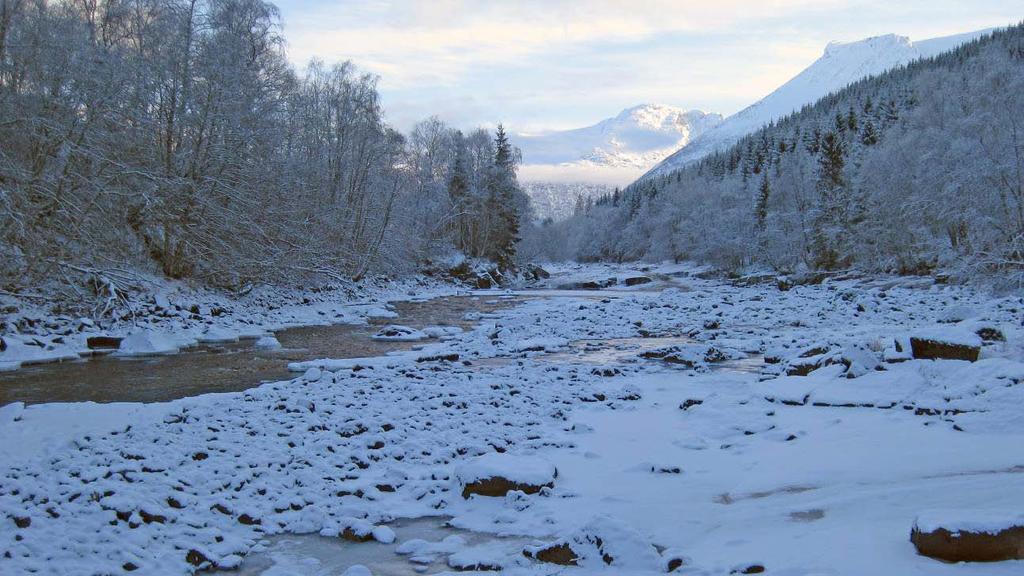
(814, 458)
(173, 316)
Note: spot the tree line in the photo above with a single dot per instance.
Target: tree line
(173, 137)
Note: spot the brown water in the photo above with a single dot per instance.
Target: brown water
(227, 367)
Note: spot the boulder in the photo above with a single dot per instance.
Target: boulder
(589, 284)
(981, 538)
(601, 543)
(103, 342)
(945, 344)
(495, 474)
(637, 281)
(554, 554)
(533, 272)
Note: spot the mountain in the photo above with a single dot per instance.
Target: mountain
(636, 139)
(840, 65)
(913, 171)
(561, 166)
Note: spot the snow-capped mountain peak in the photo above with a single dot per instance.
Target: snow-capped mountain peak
(637, 138)
(560, 166)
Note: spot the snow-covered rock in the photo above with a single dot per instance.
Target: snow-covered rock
(396, 333)
(495, 474)
(147, 343)
(946, 343)
(970, 536)
(268, 342)
(602, 542)
(441, 331)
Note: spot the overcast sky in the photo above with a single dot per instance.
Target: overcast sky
(551, 64)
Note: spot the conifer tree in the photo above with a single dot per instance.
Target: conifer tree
(503, 213)
(763, 194)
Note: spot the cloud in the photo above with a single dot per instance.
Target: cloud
(411, 42)
(560, 63)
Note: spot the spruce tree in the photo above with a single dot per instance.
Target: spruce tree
(503, 212)
(869, 136)
(763, 194)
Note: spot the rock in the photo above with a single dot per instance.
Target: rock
(589, 284)
(674, 559)
(396, 333)
(990, 334)
(439, 358)
(3, 345)
(352, 536)
(495, 474)
(534, 272)
(637, 281)
(357, 530)
(600, 543)
(556, 554)
(749, 569)
(103, 342)
(946, 345)
(197, 559)
(984, 540)
(484, 282)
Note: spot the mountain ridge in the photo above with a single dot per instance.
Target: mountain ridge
(634, 138)
(840, 64)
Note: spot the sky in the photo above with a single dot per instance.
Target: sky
(545, 65)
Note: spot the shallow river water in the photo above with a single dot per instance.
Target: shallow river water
(227, 367)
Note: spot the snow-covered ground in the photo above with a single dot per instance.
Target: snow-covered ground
(651, 461)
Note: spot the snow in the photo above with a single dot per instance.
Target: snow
(147, 343)
(637, 137)
(816, 474)
(841, 64)
(560, 166)
(518, 469)
(603, 538)
(396, 333)
(976, 521)
(267, 343)
(945, 334)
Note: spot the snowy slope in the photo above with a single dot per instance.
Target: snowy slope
(840, 65)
